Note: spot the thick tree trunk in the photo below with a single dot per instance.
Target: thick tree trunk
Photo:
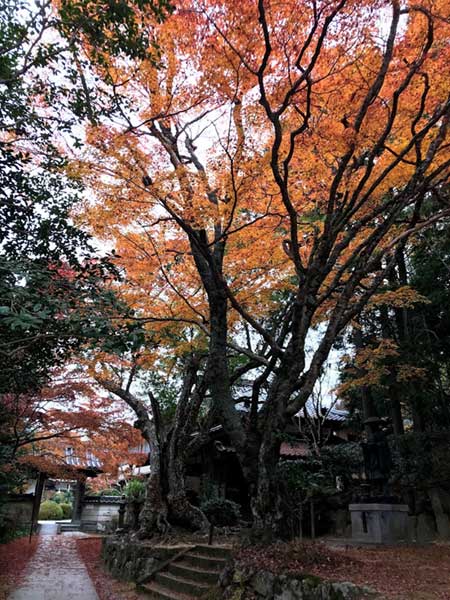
(166, 498)
(266, 499)
(181, 511)
(266, 510)
(154, 514)
(153, 519)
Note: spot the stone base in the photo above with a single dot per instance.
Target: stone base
(379, 523)
(422, 528)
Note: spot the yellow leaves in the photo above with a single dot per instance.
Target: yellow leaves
(376, 366)
(408, 373)
(369, 366)
(403, 297)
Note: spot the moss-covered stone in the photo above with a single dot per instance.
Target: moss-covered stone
(131, 559)
(243, 584)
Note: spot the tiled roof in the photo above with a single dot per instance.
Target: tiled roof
(331, 414)
(87, 462)
(294, 449)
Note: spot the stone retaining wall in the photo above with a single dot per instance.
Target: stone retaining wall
(243, 584)
(133, 560)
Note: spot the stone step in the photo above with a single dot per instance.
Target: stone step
(212, 551)
(188, 571)
(68, 527)
(204, 562)
(181, 584)
(154, 591)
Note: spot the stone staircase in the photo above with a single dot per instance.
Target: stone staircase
(65, 527)
(189, 576)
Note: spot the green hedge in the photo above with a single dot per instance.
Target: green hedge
(50, 511)
(67, 510)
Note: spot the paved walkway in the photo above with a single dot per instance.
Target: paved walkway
(55, 572)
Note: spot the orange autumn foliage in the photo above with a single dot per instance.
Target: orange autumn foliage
(211, 91)
(69, 412)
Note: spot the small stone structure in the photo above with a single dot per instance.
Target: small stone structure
(100, 513)
(380, 523)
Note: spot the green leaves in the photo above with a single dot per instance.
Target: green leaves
(135, 490)
(114, 27)
(55, 295)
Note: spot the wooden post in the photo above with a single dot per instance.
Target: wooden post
(313, 519)
(40, 482)
(80, 490)
(211, 533)
(122, 509)
(300, 521)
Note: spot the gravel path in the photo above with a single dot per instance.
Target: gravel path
(56, 571)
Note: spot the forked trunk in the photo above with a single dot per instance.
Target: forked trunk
(165, 498)
(181, 511)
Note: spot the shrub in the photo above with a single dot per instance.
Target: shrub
(135, 490)
(66, 509)
(63, 497)
(50, 511)
(420, 459)
(109, 492)
(221, 512)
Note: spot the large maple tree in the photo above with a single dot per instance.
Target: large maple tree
(258, 175)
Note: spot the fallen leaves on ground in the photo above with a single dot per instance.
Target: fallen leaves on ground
(292, 557)
(14, 557)
(106, 587)
(401, 572)
(398, 573)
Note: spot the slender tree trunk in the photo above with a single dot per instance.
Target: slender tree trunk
(313, 519)
(396, 410)
(368, 406)
(300, 528)
(394, 391)
(417, 416)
